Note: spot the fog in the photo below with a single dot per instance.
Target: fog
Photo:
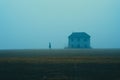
(32, 24)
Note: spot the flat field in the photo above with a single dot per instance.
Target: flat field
(66, 64)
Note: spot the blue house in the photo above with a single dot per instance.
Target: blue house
(79, 40)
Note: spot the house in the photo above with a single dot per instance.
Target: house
(79, 40)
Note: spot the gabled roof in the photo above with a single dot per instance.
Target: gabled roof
(79, 34)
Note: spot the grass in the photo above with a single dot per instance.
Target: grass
(62, 59)
(60, 64)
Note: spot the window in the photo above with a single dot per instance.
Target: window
(85, 39)
(72, 46)
(78, 46)
(72, 40)
(86, 46)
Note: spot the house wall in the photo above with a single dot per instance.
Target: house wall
(79, 43)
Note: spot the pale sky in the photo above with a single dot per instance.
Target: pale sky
(32, 24)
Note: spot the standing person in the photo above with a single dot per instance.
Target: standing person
(49, 45)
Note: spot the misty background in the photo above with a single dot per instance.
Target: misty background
(32, 24)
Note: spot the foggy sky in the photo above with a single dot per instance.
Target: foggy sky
(32, 24)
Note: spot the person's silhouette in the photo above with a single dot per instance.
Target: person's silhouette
(49, 45)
